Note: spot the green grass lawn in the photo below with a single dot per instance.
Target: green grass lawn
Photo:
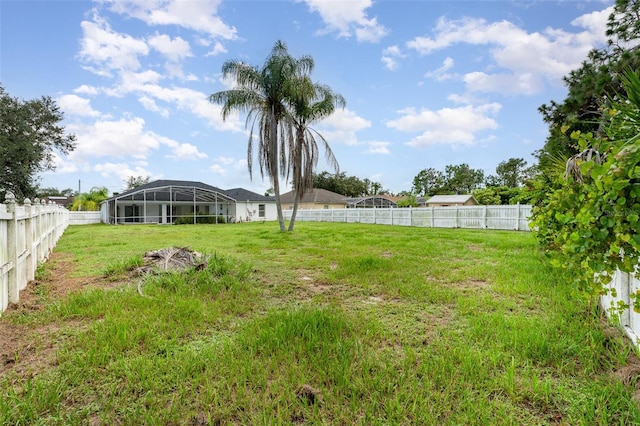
(332, 324)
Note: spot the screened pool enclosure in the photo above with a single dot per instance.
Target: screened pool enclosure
(170, 202)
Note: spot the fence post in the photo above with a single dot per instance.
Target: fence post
(31, 261)
(484, 217)
(12, 243)
(518, 218)
(432, 219)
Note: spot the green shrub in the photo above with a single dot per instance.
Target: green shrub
(201, 218)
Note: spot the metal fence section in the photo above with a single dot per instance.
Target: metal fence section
(618, 303)
(514, 217)
(28, 233)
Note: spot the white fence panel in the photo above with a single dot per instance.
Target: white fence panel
(621, 287)
(514, 217)
(84, 218)
(28, 233)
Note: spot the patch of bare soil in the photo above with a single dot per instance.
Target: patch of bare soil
(28, 348)
(472, 284)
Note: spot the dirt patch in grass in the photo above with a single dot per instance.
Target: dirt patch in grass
(29, 348)
(472, 285)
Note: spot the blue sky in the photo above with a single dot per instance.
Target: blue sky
(427, 83)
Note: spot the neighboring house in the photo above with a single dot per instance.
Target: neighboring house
(60, 200)
(314, 199)
(251, 206)
(451, 200)
(370, 201)
(164, 201)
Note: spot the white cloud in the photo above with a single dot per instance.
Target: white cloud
(378, 147)
(186, 151)
(594, 22)
(217, 49)
(150, 104)
(173, 49)
(226, 160)
(448, 126)
(64, 166)
(341, 127)
(390, 56)
(76, 105)
(539, 56)
(525, 83)
(86, 90)
(200, 16)
(109, 50)
(217, 169)
(441, 74)
(348, 18)
(122, 171)
(117, 138)
(222, 165)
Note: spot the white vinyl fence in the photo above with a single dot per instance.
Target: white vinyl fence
(28, 233)
(515, 217)
(622, 288)
(84, 218)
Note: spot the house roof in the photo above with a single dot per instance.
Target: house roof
(183, 190)
(316, 195)
(451, 199)
(241, 194)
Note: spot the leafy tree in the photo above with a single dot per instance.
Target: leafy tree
(54, 192)
(133, 182)
(511, 173)
(486, 196)
(308, 103)
(262, 94)
(409, 201)
(429, 182)
(30, 135)
(349, 186)
(90, 201)
(462, 179)
(597, 78)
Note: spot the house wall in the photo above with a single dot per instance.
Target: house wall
(249, 211)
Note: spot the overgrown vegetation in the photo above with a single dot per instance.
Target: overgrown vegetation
(590, 223)
(332, 324)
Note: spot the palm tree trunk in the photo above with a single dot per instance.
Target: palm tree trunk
(295, 210)
(276, 191)
(275, 178)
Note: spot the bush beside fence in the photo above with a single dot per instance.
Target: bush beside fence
(513, 217)
(28, 234)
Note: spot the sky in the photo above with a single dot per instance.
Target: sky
(426, 83)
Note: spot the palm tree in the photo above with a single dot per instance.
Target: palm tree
(308, 104)
(90, 201)
(261, 94)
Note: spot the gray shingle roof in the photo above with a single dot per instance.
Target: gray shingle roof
(315, 195)
(241, 194)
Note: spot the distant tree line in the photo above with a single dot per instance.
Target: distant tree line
(349, 186)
